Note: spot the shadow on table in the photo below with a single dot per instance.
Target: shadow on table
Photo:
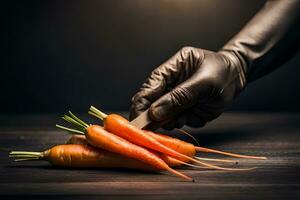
(53, 168)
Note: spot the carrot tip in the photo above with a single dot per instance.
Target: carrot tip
(179, 174)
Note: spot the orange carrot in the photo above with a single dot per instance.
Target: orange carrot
(121, 127)
(98, 137)
(81, 156)
(77, 139)
(172, 162)
(101, 138)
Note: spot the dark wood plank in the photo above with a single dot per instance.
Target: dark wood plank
(274, 135)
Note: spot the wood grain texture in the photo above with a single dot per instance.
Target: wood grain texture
(276, 136)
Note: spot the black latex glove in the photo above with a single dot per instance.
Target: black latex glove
(196, 85)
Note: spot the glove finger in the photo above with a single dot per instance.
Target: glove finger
(179, 67)
(198, 88)
(151, 90)
(184, 96)
(138, 106)
(174, 71)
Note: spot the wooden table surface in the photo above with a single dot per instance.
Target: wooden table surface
(274, 135)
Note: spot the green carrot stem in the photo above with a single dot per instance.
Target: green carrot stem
(101, 114)
(80, 125)
(78, 120)
(95, 115)
(73, 122)
(70, 130)
(80, 128)
(22, 156)
(25, 153)
(26, 159)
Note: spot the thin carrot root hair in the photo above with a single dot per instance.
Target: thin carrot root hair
(216, 160)
(207, 150)
(221, 168)
(188, 134)
(197, 143)
(203, 149)
(190, 165)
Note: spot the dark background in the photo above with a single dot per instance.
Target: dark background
(57, 55)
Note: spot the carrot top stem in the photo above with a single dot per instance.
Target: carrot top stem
(70, 130)
(74, 122)
(78, 120)
(97, 113)
(26, 155)
(80, 126)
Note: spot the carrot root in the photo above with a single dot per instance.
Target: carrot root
(203, 149)
(210, 165)
(191, 165)
(221, 168)
(188, 134)
(216, 160)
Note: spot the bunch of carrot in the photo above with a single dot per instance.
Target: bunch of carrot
(118, 144)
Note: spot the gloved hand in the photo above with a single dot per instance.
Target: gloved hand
(196, 85)
(192, 87)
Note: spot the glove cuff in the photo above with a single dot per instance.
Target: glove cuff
(268, 40)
